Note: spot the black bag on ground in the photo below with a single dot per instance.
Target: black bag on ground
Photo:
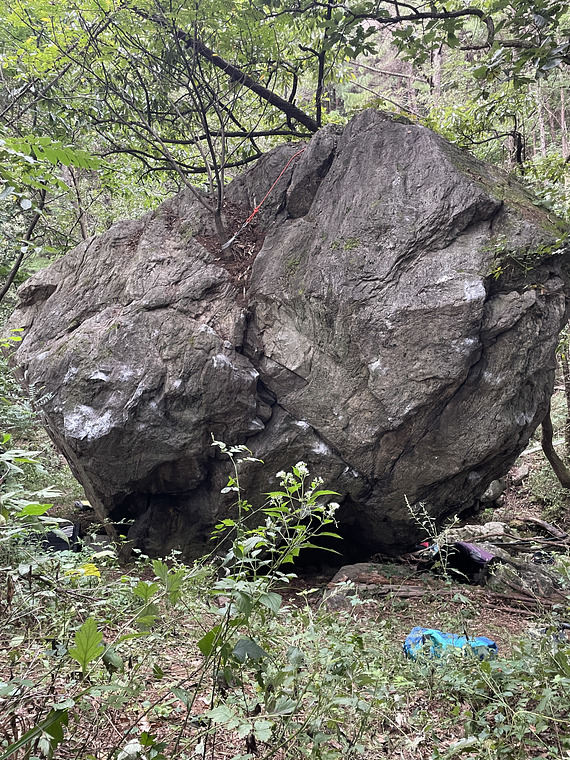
(53, 541)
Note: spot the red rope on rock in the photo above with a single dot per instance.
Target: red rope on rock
(260, 204)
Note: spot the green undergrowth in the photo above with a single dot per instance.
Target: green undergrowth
(545, 490)
(224, 658)
(19, 419)
(16, 411)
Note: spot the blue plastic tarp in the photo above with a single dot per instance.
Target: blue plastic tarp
(429, 642)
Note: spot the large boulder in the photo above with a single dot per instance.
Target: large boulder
(397, 332)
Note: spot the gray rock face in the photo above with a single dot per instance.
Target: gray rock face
(388, 337)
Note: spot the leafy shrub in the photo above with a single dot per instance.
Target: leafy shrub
(20, 509)
(15, 410)
(545, 489)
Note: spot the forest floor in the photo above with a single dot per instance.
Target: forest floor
(425, 711)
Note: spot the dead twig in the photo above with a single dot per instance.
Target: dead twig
(552, 529)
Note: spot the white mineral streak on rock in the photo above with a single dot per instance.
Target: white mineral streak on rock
(376, 367)
(221, 360)
(124, 374)
(99, 375)
(473, 290)
(69, 375)
(495, 380)
(87, 422)
(321, 448)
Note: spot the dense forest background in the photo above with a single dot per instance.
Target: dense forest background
(107, 107)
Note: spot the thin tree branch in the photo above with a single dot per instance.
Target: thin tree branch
(27, 237)
(236, 74)
(388, 100)
(386, 72)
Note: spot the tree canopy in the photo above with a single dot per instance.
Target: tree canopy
(195, 92)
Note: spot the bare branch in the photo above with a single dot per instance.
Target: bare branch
(236, 74)
(27, 237)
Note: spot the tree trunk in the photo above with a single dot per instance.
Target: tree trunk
(563, 129)
(565, 146)
(72, 183)
(560, 469)
(437, 62)
(541, 126)
(566, 374)
(220, 228)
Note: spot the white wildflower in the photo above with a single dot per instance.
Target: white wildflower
(332, 508)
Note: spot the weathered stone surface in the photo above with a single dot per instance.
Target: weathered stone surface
(310, 170)
(518, 474)
(493, 492)
(479, 533)
(388, 338)
(524, 577)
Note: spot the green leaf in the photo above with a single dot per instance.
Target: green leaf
(227, 523)
(208, 643)
(263, 730)
(186, 697)
(160, 570)
(129, 636)
(295, 657)
(88, 646)
(242, 731)
(145, 590)
(55, 729)
(174, 582)
(223, 714)
(56, 718)
(271, 600)
(461, 745)
(480, 72)
(283, 706)
(277, 495)
(51, 155)
(67, 704)
(247, 648)
(112, 660)
(148, 616)
(244, 602)
(36, 509)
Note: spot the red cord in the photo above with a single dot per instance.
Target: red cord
(259, 205)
